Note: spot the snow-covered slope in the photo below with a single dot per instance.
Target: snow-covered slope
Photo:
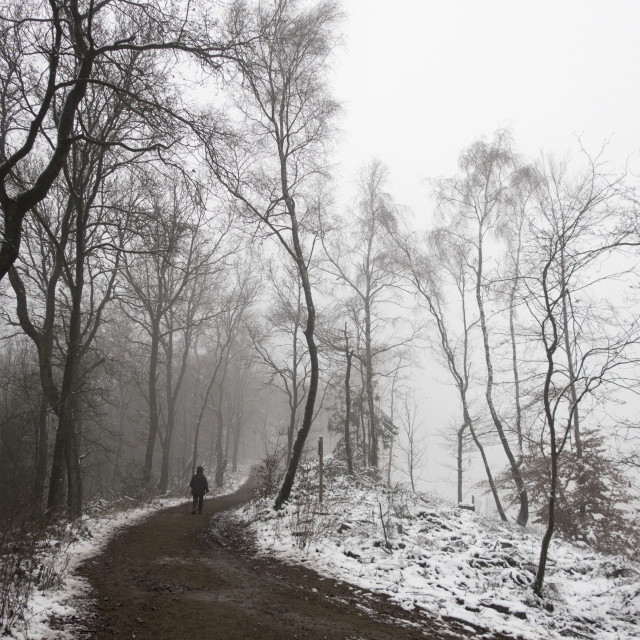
(450, 562)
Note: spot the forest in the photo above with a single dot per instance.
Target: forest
(183, 280)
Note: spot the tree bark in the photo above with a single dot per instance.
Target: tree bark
(153, 401)
(55, 497)
(307, 420)
(347, 396)
(459, 458)
(15, 208)
(221, 462)
(40, 457)
(523, 514)
(373, 429)
(69, 388)
(550, 349)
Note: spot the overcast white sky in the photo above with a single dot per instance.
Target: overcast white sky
(422, 79)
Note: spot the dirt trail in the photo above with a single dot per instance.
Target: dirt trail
(170, 578)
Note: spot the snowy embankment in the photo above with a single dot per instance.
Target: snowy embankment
(79, 541)
(450, 562)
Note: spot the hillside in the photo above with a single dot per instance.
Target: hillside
(383, 558)
(428, 554)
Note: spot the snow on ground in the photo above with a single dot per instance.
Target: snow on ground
(88, 536)
(84, 539)
(425, 553)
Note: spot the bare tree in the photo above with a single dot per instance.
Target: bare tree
(74, 254)
(567, 242)
(281, 92)
(411, 444)
(476, 200)
(363, 259)
(446, 262)
(52, 52)
(281, 347)
(232, 306)
(167, 268)
(347, 401)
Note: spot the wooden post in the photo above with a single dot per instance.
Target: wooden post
(320, 469)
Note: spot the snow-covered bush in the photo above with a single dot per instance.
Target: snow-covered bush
(593, 502)
(32, 556)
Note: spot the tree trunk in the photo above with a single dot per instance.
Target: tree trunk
(115, 471)
(460, 459)
(171, 415)
(293, 400)
(173, 393)
(203, 407)
(69, 391)
(523, 514)
(546, 539)
(514, 363)
(373, 429)
(363, 427)
(153, 401)
(347, 400)
(236, 433)
(307, 420)
(55, 498)
(572, 382)
(221, 462)
(487, 468)
(41, 452)
(550, 419)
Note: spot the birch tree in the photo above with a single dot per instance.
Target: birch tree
(566, 254)
(476, 200)
(281, 94)
(361, 256)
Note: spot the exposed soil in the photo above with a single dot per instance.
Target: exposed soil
(177, 576)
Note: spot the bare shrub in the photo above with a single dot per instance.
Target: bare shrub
(34, 554)
(18, 567)
(310, 520)
(270, 469)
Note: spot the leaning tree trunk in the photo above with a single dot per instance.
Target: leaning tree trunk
(487, 468)
(550, 419)
(514, 363)
(307, 420)
(293, 396)
(551, 520)
(523, 514)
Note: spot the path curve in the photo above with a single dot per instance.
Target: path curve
(171, 577)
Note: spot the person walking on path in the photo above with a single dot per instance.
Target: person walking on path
(199, 486)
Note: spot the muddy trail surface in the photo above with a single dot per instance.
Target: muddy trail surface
(177, 575)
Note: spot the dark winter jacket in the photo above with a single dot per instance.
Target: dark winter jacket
(199, 485)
